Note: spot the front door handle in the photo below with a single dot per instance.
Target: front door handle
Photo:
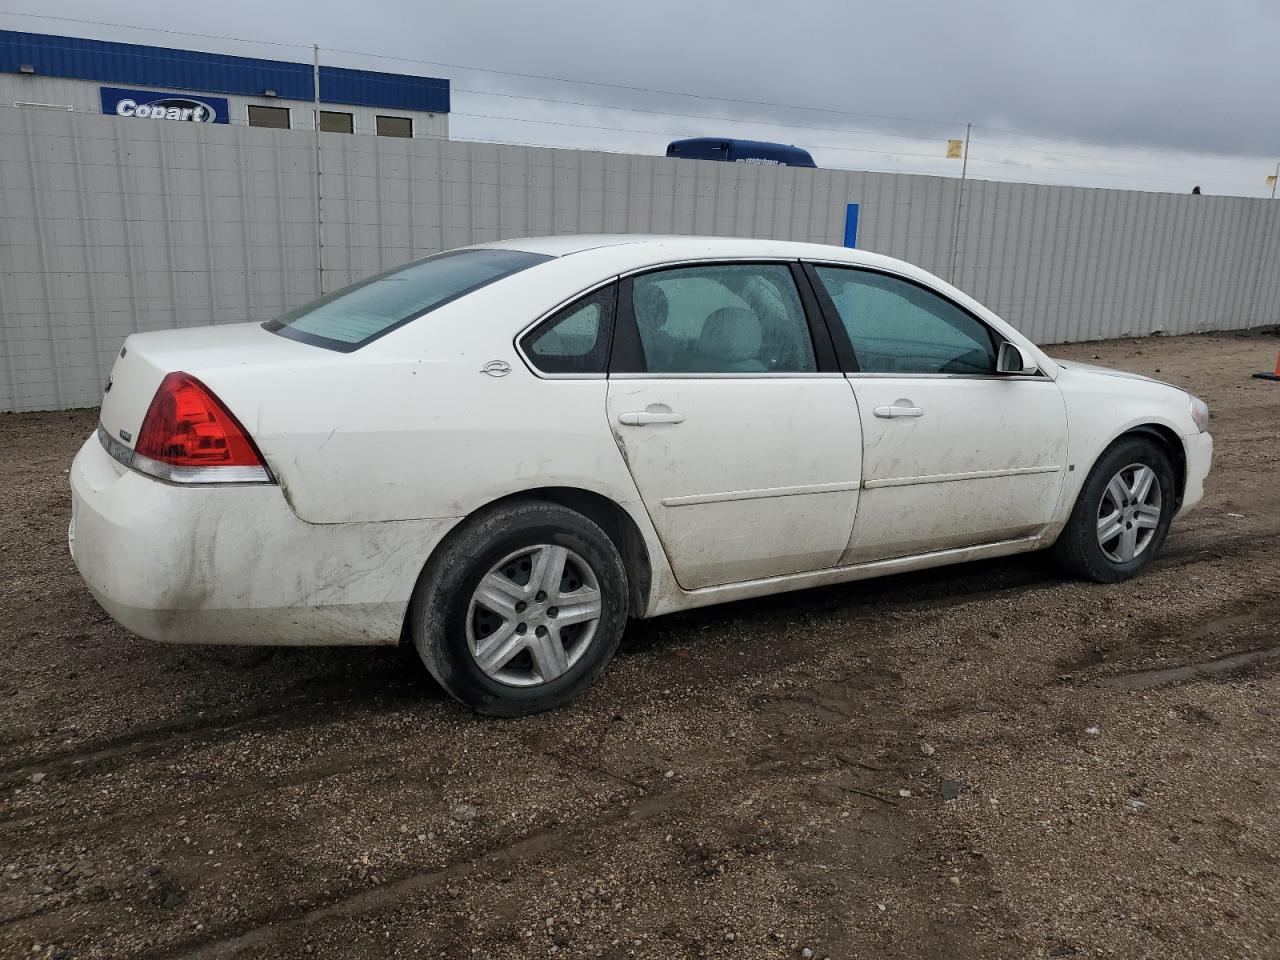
(902, 408)
(640, 418)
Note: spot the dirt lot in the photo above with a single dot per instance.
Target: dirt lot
(736, 787)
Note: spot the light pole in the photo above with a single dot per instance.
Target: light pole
(955, 221)
(315, 96)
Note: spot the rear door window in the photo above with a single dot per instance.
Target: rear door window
(722, 318)
(349, 318)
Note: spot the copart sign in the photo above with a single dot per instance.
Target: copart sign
(148, 105)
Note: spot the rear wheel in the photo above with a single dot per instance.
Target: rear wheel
(1122, 515)
(521, 610)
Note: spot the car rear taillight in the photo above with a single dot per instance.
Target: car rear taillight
(188, 436)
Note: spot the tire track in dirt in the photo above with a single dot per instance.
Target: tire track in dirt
(180, 733)
(838, 701)
(280, 924)
(647, 803)
(1225, 624)
(1147, 679)
(733, 775)
(1130, 681)
(300, 709)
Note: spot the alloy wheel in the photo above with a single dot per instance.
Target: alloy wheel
(533, 615)
(1129, 513)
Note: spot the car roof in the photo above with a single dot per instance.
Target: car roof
(564, 245)
(657, 248)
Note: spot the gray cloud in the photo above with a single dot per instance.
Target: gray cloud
(1180, 76)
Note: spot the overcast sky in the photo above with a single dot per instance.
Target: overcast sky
(1127, 93)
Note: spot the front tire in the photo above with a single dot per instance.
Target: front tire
(1122, 515)
(521, 610)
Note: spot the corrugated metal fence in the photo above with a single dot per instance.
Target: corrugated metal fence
(109, 226)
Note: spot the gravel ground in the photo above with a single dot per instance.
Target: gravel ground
(981, 761)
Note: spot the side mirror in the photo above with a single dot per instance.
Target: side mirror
(1010, 360)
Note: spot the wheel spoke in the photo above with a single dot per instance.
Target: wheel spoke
(580, 606)
(1146, 516)
(497, 649)
(1128, 546)
(548, 570)
(548, 655)
(499, 594)
(1142, 479)
(1118, 491)
(1109, 527)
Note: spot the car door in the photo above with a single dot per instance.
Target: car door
(736, 423)
(953, 454)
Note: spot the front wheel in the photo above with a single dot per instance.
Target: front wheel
(522, 609)
(1122, 515)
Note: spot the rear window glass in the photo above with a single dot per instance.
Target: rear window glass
(349, 318)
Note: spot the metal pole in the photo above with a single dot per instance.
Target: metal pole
(964, 171)
(1274, 179)
(315, 92)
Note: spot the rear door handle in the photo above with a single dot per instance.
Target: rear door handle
(890, 411)
(640, 418)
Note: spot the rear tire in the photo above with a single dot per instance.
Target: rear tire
(1122, 515)
(521, 610)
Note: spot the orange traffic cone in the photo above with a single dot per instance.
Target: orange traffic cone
(1270, 376)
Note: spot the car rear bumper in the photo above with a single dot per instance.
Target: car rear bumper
(1199, 452)
(234, 564)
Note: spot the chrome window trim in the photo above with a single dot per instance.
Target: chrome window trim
(749, 375)
(899, 275)
(567, 376)
(700, 261)
(852, 265)
(1038, 376)
(183, 476)
(636, 271)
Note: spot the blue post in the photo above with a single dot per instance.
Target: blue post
(851, 225)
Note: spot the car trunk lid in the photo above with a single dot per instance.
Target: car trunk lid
(145, 359)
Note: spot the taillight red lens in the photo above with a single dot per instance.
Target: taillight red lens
(187, 426)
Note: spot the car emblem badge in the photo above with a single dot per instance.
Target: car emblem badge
(496, 368)
(107, 388)
(126, 436)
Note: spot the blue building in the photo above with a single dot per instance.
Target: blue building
(161, 84)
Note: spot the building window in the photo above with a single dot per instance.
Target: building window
(28, 105)
(277, 117)
(395, 126)
(333, 121)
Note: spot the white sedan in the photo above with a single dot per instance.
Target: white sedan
(501, 453)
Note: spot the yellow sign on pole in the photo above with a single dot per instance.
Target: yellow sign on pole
(955, 149)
